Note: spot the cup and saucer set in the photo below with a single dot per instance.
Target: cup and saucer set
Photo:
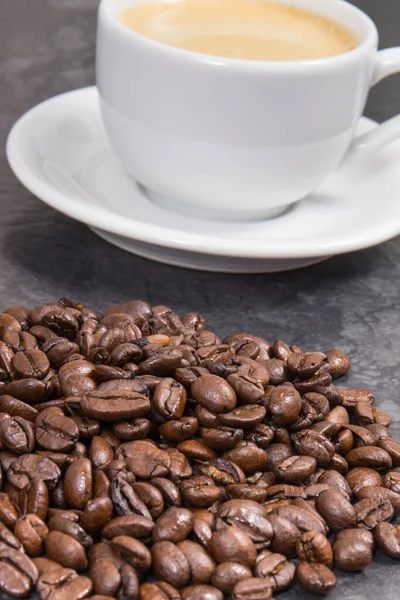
(220, 164)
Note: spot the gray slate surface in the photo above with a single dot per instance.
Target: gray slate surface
(351, 302)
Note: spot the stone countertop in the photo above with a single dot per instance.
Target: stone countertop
(350, 302)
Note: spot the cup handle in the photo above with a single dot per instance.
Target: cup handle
(387, 63)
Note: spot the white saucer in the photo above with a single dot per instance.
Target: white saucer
(60, 152)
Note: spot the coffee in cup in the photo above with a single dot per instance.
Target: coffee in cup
(244, 29)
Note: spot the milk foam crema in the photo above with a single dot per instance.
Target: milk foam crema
(244, 29)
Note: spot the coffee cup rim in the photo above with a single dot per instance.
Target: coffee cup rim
(109, 10)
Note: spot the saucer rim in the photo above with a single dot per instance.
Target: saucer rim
(114, 223)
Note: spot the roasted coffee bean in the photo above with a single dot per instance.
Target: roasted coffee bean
(304, 519)
(373, 491)
(132, 525)
(371, 511)
(339, 363)
(247, 516)
(252, 588)
(158, 591)
(31, 363)
(63, 584)
(246, 492)
(369, 456)
(144, 459)
(178, 431)
(380, 432)
(196, 450)
(226, 575)
(64, 549)
(231, 544)
(295, 469)
(312, 443)
(276, 453)
(391, 481)
(125, 499)
(54, 431)
(277, 570)
(392, 447)
(27, 467)
(221, 439)
(96, 513)
(336, 510)
(112, 406)
(16, 434)
(356, 535)
(314, 547)
(247, 456)
(214, 393)
(336, 480)
(306, 364)
(169, 398)
(352, 556)
(388, 539)
(78, 483)
(366, 414)
(201, 592)
(243, 417)
(170, 564)
(150, 496)
(174, 525)
(68, 522)
(133, 551)
(180, 467)
(284, 405)
(316, 578)
(200, 492)
(17, 408)
(285, 536)
(201, 564)
(31, 532)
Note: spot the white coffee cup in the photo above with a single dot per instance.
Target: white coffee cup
(233, 139)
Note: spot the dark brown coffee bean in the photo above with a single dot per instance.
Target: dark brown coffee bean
(372, 491)
(284, 405)
(150, 496)
(68, 522)
(351, 557)
(247, 516)
(276, 569)
(78, 483)
(339, 363)
(314, 547)
(132, 525)
(112, 406)
(174, 525)
(392, 447)
(316, 578)
(247, 456)
(54, 431)
(158, 591)
(144, 459)
(31, 363)
(356, 535)
(295, 469)
(169, 398)
(214, 393)
(371, 511)
(221, 471)
(133, 551)
(180, 467)
(27, 467)
(283, 490)
(125, 499)
(17, 408)
(170, 564)
(336, 510)
(285, 536)
(306, 364)
(17, 434)
(304, 519)
(380, 432)
(246, 492)
(243, 417)
(366, 414)
(312, 443)
(233, 545)
(66, 550)
(200, 492)
(252, 588)
(336, 480)
(31, 532)
(63, 584)
(226, 575)
(178, 431)
(221, 439)
(388, 538)
(196, 450)
(369, 456)
(201, 592)
(391, 481)
(136, 429)
(96, 513)
(200, 562)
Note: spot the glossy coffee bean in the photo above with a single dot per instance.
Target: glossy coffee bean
(316, 578)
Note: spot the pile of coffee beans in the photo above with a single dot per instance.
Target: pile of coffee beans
(142, 457)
